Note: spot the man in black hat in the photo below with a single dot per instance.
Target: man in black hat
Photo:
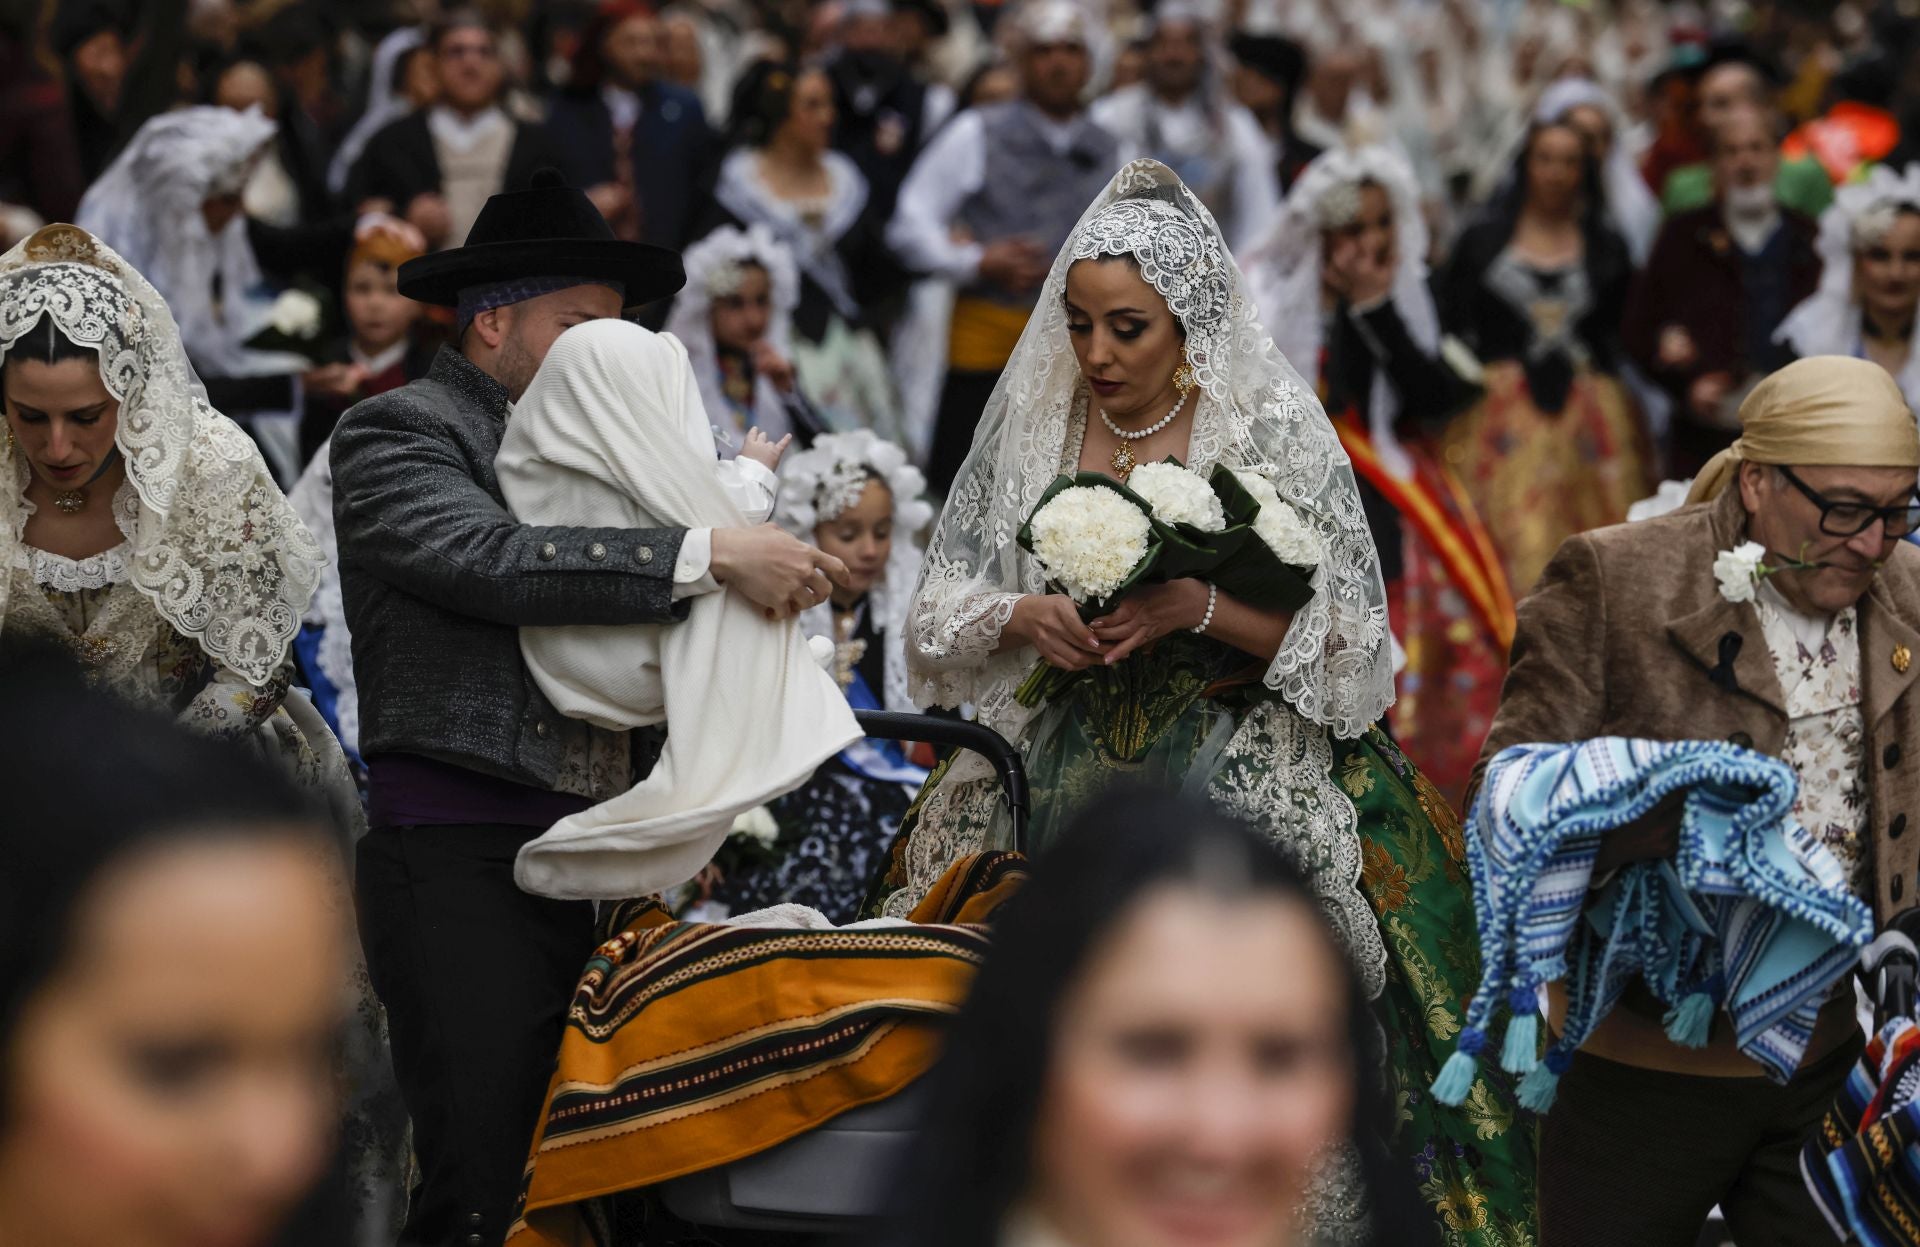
(467, 760)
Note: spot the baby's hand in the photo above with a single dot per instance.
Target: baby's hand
(763, 452)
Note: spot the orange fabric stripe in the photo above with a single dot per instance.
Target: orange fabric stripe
(982, 335)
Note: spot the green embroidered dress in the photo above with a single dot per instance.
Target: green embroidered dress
(1191, 713)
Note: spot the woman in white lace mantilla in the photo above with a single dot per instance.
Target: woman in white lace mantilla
(1144, 345)
(140, 529)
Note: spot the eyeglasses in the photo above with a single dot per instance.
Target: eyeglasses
(1850, 519)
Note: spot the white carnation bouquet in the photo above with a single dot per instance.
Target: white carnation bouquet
(1097, 539)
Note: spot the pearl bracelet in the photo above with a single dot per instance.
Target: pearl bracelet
(1213, 599)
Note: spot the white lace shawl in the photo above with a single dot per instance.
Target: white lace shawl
(1283, 271)
(715, 262)
(1253, 412)
(1827, 322)
(146, 206)
(809, 481)
(215, 546)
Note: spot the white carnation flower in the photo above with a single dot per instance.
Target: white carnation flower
(1178, 496)
(295, 314)
(757, 824)
(1258, 486)
(1089, 539)
(1738, 571)
(1287, 535)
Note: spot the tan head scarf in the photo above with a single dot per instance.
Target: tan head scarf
(1822, 411)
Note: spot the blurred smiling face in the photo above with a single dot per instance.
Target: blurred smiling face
(1192, 1088)
(172, 1085)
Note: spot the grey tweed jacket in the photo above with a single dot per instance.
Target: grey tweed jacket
(438, 578)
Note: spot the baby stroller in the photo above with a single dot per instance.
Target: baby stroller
(821, 1185)
(1863, 1165)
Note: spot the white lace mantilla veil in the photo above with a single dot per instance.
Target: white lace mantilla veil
(1283, 270)
(816, 487)
(713, 266)
(1253, 412)
(214, 544)
(146, 206)
(1827, 322)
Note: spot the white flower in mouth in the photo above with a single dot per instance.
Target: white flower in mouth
(757, 824)
(1089, 539)
(295, 314)
(1178, 496)
(1739, 571)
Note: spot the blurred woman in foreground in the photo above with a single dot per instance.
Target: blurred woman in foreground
(172, 953)
(1165, 1046)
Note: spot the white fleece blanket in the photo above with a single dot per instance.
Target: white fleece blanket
(598, 441)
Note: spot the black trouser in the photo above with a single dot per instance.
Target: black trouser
(962, 399)
(1633, 1157)
(476, 976)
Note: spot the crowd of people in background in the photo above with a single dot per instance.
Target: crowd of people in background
(1532, 257)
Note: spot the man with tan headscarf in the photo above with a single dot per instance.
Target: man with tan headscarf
(1630, 633)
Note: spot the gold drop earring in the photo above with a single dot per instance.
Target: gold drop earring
(1183, 380)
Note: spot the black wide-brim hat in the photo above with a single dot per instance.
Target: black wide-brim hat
(548, 230)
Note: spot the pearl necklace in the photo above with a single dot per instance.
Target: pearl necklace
(1123, 460)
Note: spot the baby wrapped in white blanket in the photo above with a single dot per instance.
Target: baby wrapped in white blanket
(600, 440)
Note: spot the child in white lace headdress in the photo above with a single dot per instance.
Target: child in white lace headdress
(734, 316)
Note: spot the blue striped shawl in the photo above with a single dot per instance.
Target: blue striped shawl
(1751, 914)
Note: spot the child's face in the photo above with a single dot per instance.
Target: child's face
(862, 538)
(740, 319)
(378, 313)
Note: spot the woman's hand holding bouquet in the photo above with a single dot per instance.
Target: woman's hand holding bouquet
(1136, 560)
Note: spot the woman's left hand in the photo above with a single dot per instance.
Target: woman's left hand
(1150, 613)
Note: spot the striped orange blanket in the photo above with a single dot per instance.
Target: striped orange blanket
(690, 1045)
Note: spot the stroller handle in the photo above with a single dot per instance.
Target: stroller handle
(980, 739)
(1891, 967)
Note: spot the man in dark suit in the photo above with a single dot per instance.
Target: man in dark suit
(641, 146)
(1720, 280)
(438, 167)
